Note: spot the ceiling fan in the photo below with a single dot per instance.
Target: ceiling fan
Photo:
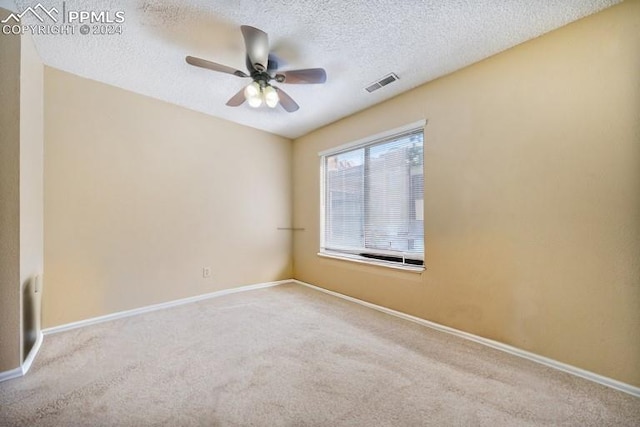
(262, 67)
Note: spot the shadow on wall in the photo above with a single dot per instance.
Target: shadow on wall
(31, 313)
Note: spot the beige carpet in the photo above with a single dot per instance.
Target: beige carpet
(292, 356)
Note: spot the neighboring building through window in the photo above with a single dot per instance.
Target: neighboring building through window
(372, 199)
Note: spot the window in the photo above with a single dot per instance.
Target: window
(372, 199)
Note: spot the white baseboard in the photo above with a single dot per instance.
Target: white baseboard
(154, 307)
(9, 375)
(32, 354)
(591, 376)
(579, 372)
(26, 364)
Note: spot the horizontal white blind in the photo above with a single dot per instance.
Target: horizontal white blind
(373, 200)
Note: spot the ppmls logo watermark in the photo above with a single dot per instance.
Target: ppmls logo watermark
(64, 21)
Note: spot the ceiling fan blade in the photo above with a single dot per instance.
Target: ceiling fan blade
(237, 99)
(203, 63)
(306, 76)
(286, 101)
(273, 62)
(257, 44)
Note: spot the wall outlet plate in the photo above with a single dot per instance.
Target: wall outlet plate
(206, 272)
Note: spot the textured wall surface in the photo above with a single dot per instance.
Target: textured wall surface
(31, 182)
(140, 195)
(9, 200)
(532, 198)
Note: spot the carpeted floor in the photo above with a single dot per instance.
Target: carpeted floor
(292, 356)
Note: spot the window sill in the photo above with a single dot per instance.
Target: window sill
(362, 260)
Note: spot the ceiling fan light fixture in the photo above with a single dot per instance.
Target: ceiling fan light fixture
(253, 95)
(270, 96)
(262, 66)
(255, 102)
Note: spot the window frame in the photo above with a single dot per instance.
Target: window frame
(369, 141)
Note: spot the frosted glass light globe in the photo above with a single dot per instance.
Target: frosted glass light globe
(252, 95)
(255, 102)
(270, 96)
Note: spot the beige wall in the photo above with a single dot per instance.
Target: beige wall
(532, 204)
(31, 184)
(9, 200)
(21, 198)
(141, 194)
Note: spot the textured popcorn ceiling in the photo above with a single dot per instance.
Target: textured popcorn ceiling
(357, 42)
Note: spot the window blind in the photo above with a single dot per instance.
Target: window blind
(373, 200)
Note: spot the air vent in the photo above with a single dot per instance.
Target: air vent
(389, 78)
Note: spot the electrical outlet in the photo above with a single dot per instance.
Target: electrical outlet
(206, 272)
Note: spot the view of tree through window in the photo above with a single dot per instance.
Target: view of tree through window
(373, 200)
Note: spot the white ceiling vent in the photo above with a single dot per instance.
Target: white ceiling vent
(389, 78)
